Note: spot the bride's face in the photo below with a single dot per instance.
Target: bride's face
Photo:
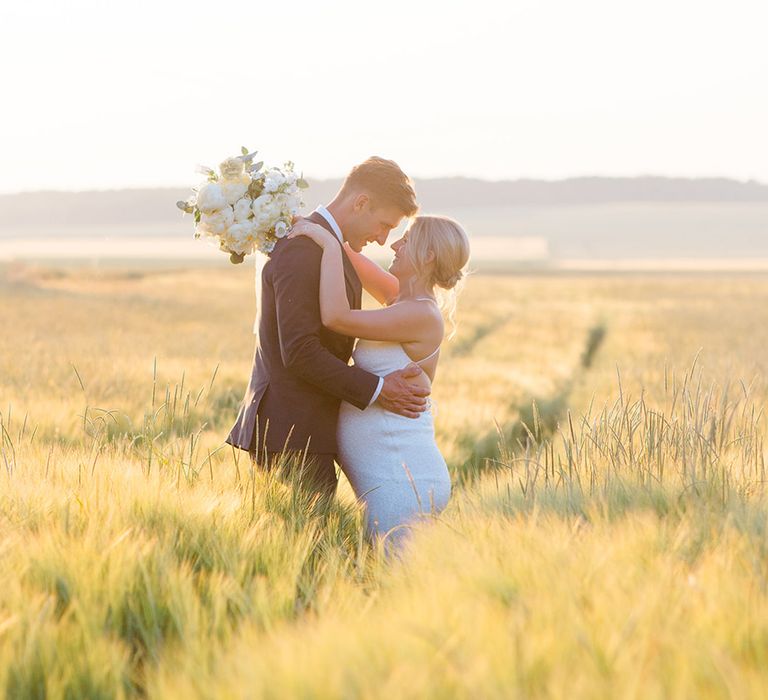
(401, 266)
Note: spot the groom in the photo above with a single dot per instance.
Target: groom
(300, 369)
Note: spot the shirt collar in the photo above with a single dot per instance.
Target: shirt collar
(329, 218)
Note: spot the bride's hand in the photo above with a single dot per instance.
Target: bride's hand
(317, 233)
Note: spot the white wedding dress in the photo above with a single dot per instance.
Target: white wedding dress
(391, 461)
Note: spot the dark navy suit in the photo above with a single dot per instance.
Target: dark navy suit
(300, 369)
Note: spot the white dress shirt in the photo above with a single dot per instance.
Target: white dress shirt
(335, 227)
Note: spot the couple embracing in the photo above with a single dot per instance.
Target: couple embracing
(373, 417)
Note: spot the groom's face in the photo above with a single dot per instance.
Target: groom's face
(370, 223)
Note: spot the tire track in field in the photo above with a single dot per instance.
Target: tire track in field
(549, 410)
(464, 347)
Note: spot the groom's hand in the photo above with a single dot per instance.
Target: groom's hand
(400, 395)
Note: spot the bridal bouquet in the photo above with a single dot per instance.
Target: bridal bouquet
(244, 208)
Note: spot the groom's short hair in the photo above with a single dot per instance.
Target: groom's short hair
(386, 184)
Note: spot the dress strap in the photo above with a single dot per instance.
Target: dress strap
(428, 357)
(414, 299)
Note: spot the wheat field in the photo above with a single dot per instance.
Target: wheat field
(606, 535)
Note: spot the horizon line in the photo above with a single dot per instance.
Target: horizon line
(310, 179)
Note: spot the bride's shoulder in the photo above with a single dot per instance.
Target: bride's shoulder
(421, 305)
(423, 311)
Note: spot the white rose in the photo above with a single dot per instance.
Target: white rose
(243, 209)
(281, 229)
(273, 180)
(210, 197)
(218, 222)
(234, 190)
(232, 168)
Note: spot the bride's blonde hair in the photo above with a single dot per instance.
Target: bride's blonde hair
(438, 247)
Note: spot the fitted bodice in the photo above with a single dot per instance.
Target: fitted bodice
(380, 357)
(392, 462)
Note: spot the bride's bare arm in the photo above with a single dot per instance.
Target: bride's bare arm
(380, 284)
(403, 322)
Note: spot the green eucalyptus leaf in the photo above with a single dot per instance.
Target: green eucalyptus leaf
(244, 150)
(301, 182)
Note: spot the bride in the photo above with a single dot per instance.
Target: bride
(392, 462)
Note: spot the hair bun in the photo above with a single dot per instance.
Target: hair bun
(452, 281)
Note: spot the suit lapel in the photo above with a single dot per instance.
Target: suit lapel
(349, 271)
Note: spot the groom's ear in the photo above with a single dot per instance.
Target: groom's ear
(360, 202)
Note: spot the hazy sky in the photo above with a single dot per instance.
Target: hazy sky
(101, 94)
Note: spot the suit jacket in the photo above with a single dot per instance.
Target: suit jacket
(300, 369)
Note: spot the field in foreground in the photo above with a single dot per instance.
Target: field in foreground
(606, 536)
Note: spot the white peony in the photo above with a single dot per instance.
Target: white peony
(235, 189)
(242, 246)
(210, 197)
(218, 222)
(240, 238)
(261, 202)
(241, 231)
(266, 209)
(243, 209)
(267, 218)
